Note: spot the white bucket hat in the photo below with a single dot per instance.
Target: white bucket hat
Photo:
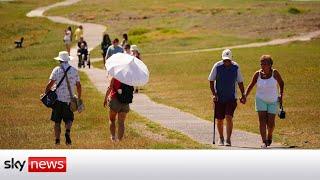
(63, 56)
(226, 54)
(134, 48)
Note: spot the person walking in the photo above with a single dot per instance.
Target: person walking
(106, 42)
(61, 110)
(136, 53)
(125, 40)
(127, 49)
(116, 108)
(267, 97)
(223, 78)
(114, 48)
(67, 39)
(78, 33)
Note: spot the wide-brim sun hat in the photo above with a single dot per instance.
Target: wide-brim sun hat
(134, 48)
(226, 54)
(63, 56)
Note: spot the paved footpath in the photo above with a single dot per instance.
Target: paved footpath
(198, 129)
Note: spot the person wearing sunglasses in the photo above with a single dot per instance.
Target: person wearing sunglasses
(267, 97)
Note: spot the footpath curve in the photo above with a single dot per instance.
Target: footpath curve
(198, 129)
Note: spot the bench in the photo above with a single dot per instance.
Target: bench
(19, 43)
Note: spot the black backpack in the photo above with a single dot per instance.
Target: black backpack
(127, 94)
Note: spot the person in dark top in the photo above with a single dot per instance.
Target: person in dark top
(106, 42)
(223, 78)
(82, 48)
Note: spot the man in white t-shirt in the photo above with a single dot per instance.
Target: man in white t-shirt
(61, 110)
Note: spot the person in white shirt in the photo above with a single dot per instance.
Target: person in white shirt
(267, 97)
(67, 39)
(61, 110)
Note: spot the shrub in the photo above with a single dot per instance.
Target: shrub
(293, 10)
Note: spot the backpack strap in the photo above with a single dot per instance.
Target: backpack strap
(63, 77)
(68, 83)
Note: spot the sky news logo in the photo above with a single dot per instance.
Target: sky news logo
(38, 164)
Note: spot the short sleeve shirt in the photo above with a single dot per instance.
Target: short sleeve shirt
(73, 76)
(114, 50)
(226, 80)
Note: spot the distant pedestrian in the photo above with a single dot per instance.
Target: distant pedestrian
(82, 52)
(67, 39)
(267, 97)
(136, 53)
(114, 48)
(127, 49)
(105, 44)
(223, 78)
(125, 40)
(61, 110)
(78, 33)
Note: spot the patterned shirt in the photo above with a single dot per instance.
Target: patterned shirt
(73, 76)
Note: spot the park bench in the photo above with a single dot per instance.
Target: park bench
(19, 43)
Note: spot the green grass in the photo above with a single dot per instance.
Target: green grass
(23, 75)
(179, 25)
(181, 81)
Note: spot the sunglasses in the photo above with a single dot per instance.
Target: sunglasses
(264, 63)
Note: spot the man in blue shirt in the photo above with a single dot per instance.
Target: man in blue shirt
(114, 48)
(223, 78)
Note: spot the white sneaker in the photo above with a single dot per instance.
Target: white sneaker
(221, 142)
(264, 146)
(228, 143)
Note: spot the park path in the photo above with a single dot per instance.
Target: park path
(198, 129)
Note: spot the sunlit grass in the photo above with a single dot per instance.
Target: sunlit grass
(24, 73)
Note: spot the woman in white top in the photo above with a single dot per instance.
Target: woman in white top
(67, 39)
(267, 97)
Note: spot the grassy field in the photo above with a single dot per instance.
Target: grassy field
(181, 81)
(178, 25)
(23, 75)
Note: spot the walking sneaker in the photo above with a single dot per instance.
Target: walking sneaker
(113, 139)
(269, 142)
(221, 142)
(228, 143)
(57, 141)
(264, 146)
(68, 139)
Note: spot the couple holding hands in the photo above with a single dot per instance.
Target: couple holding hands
(223, 78)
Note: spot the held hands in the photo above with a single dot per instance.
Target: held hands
(243, 99)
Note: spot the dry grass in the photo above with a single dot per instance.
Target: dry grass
(201, 24)
(23, 75)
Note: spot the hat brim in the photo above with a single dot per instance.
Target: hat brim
(226, 58)
(64, 60)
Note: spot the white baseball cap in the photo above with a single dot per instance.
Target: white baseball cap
(63, 56)
(226, 54)
(134, 48)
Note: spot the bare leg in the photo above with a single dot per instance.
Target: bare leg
(112, 118)
(68, 127)
(67, 134)
(121, 128)
(229, 127)
(220, 127)
(270, 125)
(263, 116)
(57, 130)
